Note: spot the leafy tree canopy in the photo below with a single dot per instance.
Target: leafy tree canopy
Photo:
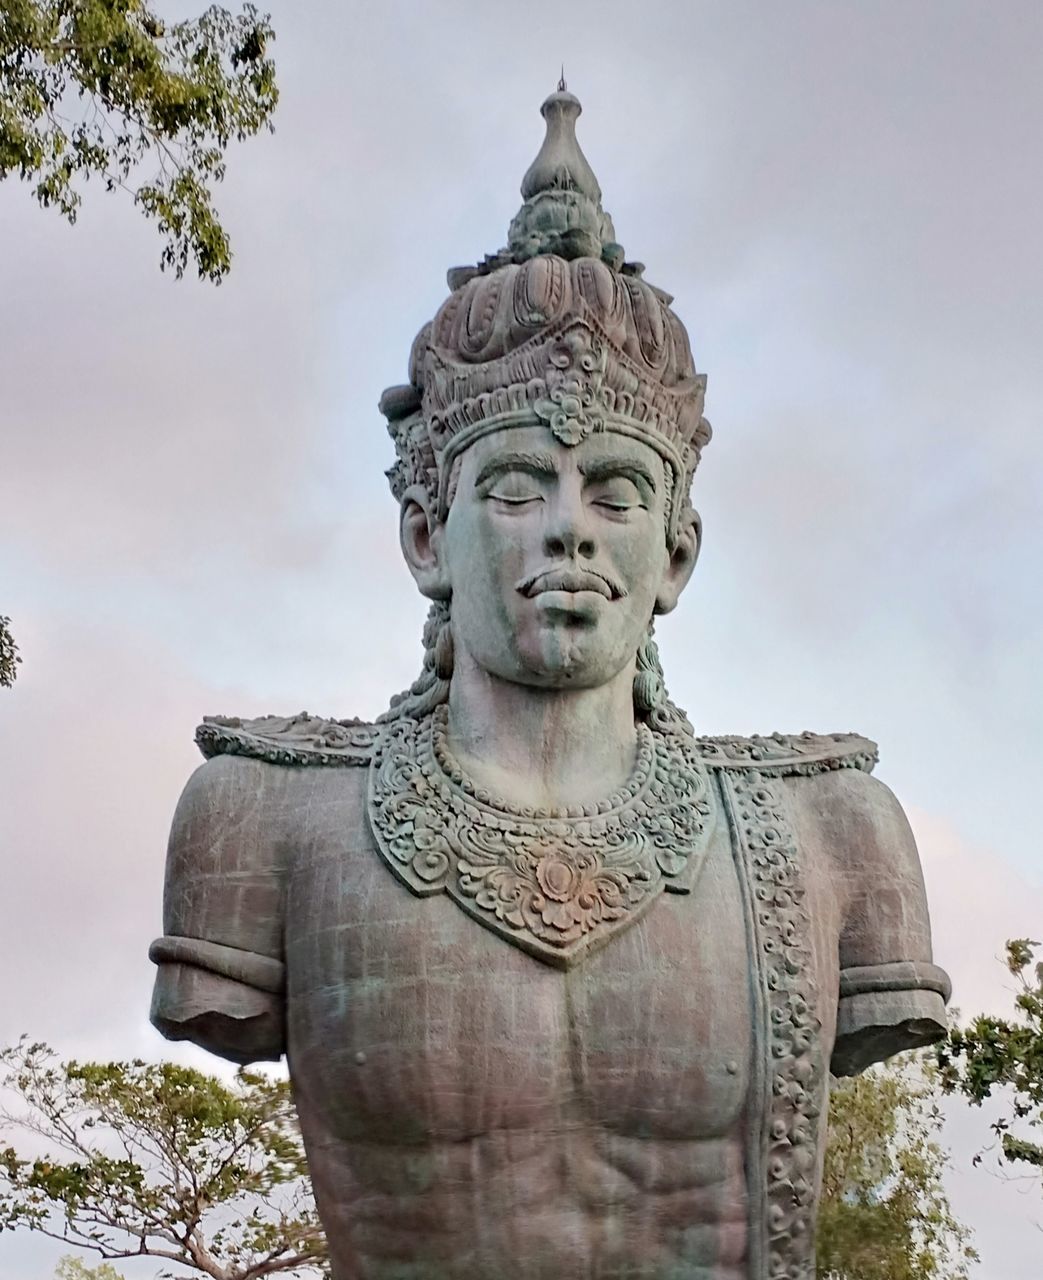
(884, 1212)
(106, 89)
(1006, 1054)
(158, 1160)
(9, 658)
(73, 1268)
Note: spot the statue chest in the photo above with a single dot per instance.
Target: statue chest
(409, 1022)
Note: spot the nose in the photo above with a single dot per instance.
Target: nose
(568, 533)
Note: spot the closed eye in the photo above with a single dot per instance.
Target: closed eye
(618, 495)
(515, 499)
(514, 488)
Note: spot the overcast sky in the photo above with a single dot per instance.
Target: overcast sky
(845, 201)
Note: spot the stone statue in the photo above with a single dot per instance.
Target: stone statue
(560, 983)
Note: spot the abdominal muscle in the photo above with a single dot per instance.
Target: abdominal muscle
(575, 1204)
(472, 1114)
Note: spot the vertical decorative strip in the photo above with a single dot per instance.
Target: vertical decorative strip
(756, 1130)
(788, 1082)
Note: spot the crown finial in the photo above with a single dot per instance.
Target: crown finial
(560, 164)
(562, 213)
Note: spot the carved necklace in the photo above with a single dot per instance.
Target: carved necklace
(556, 883)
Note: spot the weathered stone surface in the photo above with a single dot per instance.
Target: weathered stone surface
(560, 984)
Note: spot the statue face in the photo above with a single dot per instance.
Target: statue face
(555, 556)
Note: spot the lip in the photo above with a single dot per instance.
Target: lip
(570, 580)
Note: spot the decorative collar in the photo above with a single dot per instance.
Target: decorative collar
(557, 884)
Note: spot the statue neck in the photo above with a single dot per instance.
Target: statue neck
(544, 748)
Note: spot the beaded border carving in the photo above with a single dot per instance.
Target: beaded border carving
(790, 1071)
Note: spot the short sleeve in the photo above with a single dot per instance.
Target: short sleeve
(892, 996)
(220, 979)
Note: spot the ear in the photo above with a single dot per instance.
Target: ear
(420, 535)
(681, 563)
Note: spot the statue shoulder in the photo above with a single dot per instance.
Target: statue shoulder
(289, 740)
(892, 995)
(857, 842)
(240, 808)
(838, 804)
(861, 826)
(251, 789)
(790, 755)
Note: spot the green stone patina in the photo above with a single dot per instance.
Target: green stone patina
(560, 983)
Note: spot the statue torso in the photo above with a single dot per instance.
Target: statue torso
(473, 1104)
(470, 1106)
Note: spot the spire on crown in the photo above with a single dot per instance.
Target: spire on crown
(561, 165)
(562, 213)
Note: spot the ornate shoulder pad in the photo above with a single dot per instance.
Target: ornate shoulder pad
(301, 740)
(785, 755)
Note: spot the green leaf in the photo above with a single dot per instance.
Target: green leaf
(1004, 1057)
(884, 1213)
(140, 1157)
(158, 108)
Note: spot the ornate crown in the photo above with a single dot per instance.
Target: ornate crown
(557, 328)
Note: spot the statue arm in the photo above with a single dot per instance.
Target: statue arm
(892, 996)
(220, 973)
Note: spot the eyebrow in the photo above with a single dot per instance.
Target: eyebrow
(539, 464)
(603, 468)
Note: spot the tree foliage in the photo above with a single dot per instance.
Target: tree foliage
(1006, 1054)
(884, 1213)
(73, 1268)
(105, 89)
(158, 1160)
(9, 658)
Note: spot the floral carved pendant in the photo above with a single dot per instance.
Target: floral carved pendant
(557, 884)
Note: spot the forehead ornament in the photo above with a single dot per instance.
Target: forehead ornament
(573, 406)
(555, 329)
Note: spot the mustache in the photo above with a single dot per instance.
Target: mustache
(570, 577)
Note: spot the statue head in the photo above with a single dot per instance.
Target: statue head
(546, 444)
